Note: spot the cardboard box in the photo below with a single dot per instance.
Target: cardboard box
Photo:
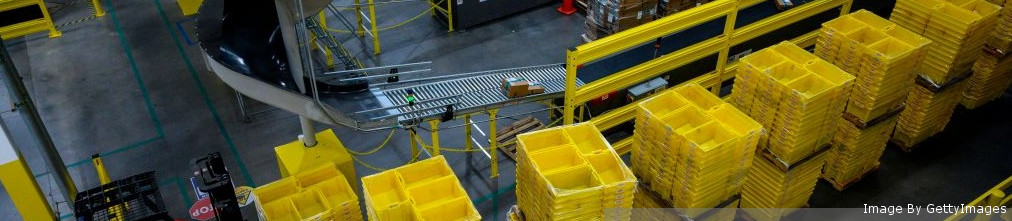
(535, 88)
(515, 87)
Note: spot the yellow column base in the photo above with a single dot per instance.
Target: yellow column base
(295, 157)
(24, 191)
(189, 7)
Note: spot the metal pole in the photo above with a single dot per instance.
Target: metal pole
(308, 133)
(26, 107)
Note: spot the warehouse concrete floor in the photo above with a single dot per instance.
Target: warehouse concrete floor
(132, 87)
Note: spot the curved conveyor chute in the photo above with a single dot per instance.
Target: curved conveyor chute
(244, 43)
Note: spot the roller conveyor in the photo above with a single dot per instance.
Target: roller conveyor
(473, 94)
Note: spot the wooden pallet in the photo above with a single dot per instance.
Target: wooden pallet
(506, 137)
(874, 121)
(784, 166)
(903, 145)
(840, 186)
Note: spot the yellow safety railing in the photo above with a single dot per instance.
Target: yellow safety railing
(45, 23)
(995, 197)
(643, 34)
(362, 18)
(448, 11)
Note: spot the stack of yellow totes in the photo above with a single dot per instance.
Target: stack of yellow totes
(572, 173)
(317, 194)
(692, 148)
(991, 76)
(928, 111)
(775, 189)
(882, 56)
(856, 150)
(958, 28)
(424, 190)
(1001, 38)
(793, 94)
(651, 207)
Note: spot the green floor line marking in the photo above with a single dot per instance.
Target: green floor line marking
(110, 153)
(203, 93)
(496, 193)
(66, 216)
(182, 191)
(137, 72)
(115, 151)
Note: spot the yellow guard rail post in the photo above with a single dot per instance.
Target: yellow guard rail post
(994, 197)
(619, 42)
(448, 10)
(361, 30)
(30, 26)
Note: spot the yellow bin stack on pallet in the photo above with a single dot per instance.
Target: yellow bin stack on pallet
(795, 95)
(991, 76)
(424, 190)
(958, 29)
(651, 207)
(572, 173)
(882, 56)
(928, 110)
(692, 148)
(316, 194)
(884, 59)
(798, 97)
(1001, 38)
(775, 189)
(856, 150)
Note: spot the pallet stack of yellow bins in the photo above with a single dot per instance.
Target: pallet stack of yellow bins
(884, 58)
(959, 30)
(992, 74)
(799, 98)
(1001, 38)
(424, 190)
(316, 194)
(572, 173)
(692, 149)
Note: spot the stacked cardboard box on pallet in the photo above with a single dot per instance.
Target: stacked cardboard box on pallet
(799, 98)
(317, 194)
(959, 30)
(572, 173)
(424, 190)
(884, 58)
(692, 148)
(992, 74)
(607, 17)
(1001, 38)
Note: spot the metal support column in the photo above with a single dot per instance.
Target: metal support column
(308, 133)
(493, 143)
(725, 50)
(26, 108)
(569, 105)
(414, 143)
(19, 182)
(435, 136)
(467, 133)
